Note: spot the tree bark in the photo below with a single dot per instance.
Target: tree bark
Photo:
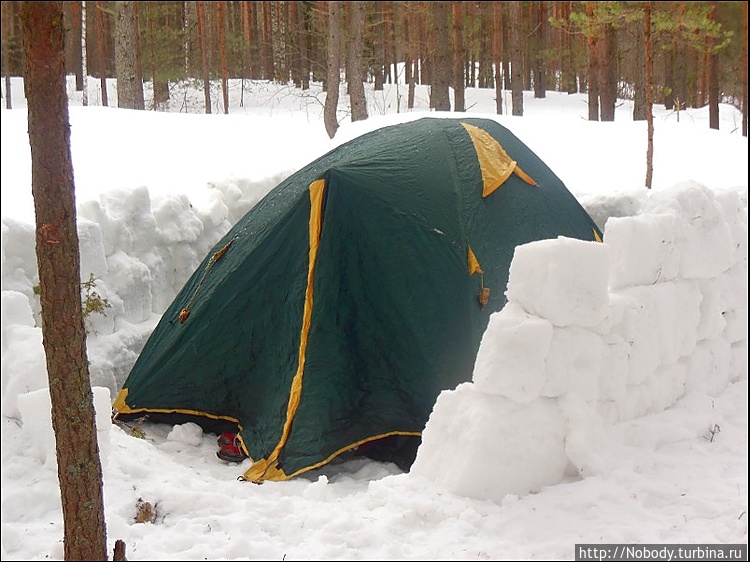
(497, 43)
(221, 23)
(439, 92)
(639, 80)
(569, 81)
(57, 253)
(540, 71)
(101, 51)
(593, 66)
(201, 16)
(74, 63)
(5, 36)
(357, 98)
(649, 56)
(413, 46)
(84, 57)
(129, 81)
(459, 92)
(379, 64)
(516, 59)
(608, 69)
(713, 80)
(304, 46)
(333, 77)
(669, 83)
(267, 41)
(744, 69)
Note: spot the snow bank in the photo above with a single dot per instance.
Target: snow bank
(595, 335)
(139, 249)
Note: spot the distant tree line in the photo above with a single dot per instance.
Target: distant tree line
(699, 49)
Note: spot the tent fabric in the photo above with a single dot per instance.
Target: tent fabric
(340, 306)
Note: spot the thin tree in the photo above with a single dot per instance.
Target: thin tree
(516, 58)
(84, 58)
(440, 83)
(5, 21)
(333, 77)
(608, 72)
(411, 25)
(267, 40)
(73, 43)
(294, 36)
(102, 59)
(540, 44)
(57, 254)
(649, 94)
(357, 98)
(304, 45)
(744, 69)
(497, 55)
(379, 65)
(592, 38)
(713, 76)
(221, 23)
(639, 80)
(201, 16)
(127, 66)
(459, 90)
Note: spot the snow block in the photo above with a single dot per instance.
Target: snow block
(511, 357)
(642, 250)
(485, 446)
(563, 280)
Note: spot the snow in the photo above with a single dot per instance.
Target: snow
(609, 397)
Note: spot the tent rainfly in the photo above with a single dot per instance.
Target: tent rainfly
(337, 309)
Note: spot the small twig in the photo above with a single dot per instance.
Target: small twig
(712, 431)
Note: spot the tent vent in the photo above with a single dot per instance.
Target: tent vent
(496, 165)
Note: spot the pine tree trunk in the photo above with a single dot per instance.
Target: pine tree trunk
(649, 56)
(608, 69)
(84, 61)
(669, 84)
(266, 41)
(639, 81)
(294, 35)
(5, 38)
(129, 82)
(540, 72)
(744, 70)
(333, 77)
(221, 23)
(498, 41)
(516, 61)
(76, 62)
(593, 67)
(304, 34)
(439, 94)
(378, 48)
(413, 42)
(569, 82)
(713, 81)
(459, 96)
(201, 16)
(57, 253)
(101, 51)
(357, 98)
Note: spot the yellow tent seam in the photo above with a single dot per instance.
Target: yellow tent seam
(265, 468)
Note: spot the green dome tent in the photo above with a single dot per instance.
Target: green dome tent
(337, 309)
